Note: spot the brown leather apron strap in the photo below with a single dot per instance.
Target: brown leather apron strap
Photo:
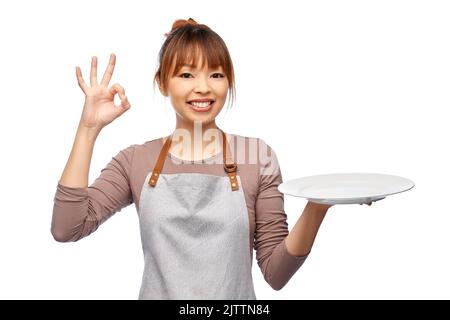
(229, 165)
(160, 163)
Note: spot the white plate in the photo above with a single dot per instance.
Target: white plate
(346, 188)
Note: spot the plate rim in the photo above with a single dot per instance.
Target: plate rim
(352, 198)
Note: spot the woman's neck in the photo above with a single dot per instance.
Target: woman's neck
(196, 141)
(196, 130)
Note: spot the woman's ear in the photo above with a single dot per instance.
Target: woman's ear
(160, 87)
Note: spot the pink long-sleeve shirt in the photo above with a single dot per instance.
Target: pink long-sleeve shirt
(78, 212)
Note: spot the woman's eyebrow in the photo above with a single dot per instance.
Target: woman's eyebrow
(194, 67)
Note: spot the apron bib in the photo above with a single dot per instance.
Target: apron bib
(194, 232)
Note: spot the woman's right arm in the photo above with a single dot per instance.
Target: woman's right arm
(79, 209)
(76, 171)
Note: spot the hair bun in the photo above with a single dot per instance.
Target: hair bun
(181, 23)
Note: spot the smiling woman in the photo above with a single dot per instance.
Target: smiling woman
(190, 44)
(195, 71)
(199, 222)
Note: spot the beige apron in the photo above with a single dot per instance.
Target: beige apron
(194, 231)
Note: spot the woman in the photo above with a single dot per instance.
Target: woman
(204, 198)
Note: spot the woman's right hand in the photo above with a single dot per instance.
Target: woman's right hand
(99, 109)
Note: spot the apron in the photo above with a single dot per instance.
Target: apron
(194, 232)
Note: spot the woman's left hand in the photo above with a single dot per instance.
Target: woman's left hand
(324, 207)
(319, 206)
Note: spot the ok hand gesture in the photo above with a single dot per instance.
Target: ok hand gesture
(99, 108)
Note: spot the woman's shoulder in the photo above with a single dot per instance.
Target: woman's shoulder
(148, 145)
(129, 152)
(254, 150)
(251, 143)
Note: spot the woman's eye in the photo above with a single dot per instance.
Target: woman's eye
(215, 75)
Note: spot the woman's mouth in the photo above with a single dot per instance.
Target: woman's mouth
(201, 106)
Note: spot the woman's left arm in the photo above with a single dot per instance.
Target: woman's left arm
(301, 238)
(280, 253)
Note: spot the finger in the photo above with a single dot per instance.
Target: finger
(94, 71)
(123, 100)
(117, 88)
(81, 82)
(109, 70)
(125, 104)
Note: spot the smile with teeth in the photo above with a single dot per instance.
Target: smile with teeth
(201, 106)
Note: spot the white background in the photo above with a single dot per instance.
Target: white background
(331, 86)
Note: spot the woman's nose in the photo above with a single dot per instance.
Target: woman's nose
(202, 84)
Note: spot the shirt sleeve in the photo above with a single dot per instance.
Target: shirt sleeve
(276, 263)
(77, 212)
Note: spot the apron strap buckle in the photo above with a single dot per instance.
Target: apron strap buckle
(230, 169)
(154, 178)
(233, 181)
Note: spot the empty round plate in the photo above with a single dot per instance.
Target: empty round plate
(346, 188)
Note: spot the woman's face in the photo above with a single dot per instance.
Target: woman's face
(190, 84)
